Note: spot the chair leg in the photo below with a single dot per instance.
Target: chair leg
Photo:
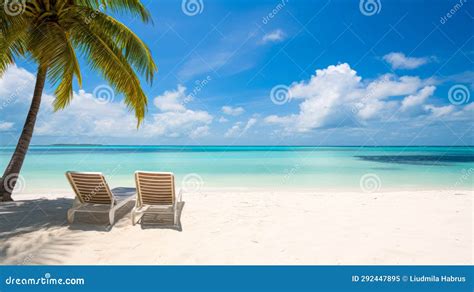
(175, 217)
(133, 217)
(111, 217)
(70, 215)
(137, 213)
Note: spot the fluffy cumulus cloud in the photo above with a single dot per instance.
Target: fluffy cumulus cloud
(199, 132)
(337, 96)
(16, 89)
(333, 97)
(86, 116)
(418, 98)
(171, 100)
(400, 61)
(175, 119)
(232, 111)
(273, 36)
(90, 116)
(14, 85)
(240, 128)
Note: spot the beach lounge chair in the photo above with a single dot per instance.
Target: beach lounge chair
(94, 195)
(155, 194)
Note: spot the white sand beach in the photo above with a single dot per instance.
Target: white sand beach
(249, 227)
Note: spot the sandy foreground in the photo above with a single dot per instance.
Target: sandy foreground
(249, 227)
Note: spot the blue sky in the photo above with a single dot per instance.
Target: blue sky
(278, 73)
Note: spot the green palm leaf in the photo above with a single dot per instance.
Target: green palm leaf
(53, 32)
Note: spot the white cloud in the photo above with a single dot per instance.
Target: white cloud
(323, 98)
(441, 111)
(400, 61)
(417, 99)
(171, 100)
(175, 124)
(199, 132)
(16, 85)
(274, 36)
(237, 130)
(450, 112)
(175, 119)
(232, 111)
(234, 130)
(5, 126)
(223, 120)
(389, 85)
(86, 117)
(274, 119)
(466, 113)
(337, 96)
(334, 96)
(250, 123)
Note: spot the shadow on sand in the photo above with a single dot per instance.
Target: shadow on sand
(46, 236)
(56, 238)
(23, 218)
(162, 221)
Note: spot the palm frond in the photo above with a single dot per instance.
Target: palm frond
(134, 49)
(13, 39)
(118, 6)
(51, 31)
(106, 57)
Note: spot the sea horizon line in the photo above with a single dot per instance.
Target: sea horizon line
(214, 145)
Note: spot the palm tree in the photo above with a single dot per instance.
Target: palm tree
(50, 33)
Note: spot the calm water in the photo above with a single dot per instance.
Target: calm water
(277, 167)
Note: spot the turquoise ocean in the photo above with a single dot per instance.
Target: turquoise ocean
(278, 167)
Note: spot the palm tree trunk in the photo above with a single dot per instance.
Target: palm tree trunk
(12, 172)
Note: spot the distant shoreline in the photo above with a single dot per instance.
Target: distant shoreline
(276, 146)
(72, 145)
